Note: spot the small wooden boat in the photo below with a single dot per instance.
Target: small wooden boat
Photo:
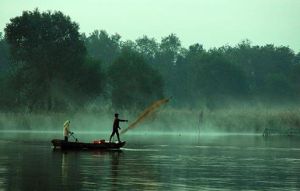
(101, 144)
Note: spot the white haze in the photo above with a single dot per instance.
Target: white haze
(213, 23)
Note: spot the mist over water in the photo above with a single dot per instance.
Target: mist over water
(242, 119)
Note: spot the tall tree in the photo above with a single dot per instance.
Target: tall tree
(217, 76)
(102, 46)
(148, 47)
(49, 57)
(4, 54)
(186, 90)
(262, 64)
(169, 51)
(5, 88)
(134, 83)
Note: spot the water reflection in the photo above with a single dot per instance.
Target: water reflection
(220, 163)
(64, 168)
(3, 171)
(89, 169)
(115, 156)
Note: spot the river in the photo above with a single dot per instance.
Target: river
(152, 162)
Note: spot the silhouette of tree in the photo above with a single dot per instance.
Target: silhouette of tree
(49, 57)
(148, 47)
(134, 83)
(102, 46)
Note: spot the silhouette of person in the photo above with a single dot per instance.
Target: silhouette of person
(116, 127)
(67, 131)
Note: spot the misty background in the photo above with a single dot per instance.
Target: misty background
(54, 66)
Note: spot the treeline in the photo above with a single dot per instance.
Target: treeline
(46, 64)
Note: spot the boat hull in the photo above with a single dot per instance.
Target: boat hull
(58, 143)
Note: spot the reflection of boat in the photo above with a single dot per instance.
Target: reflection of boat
(58, 143)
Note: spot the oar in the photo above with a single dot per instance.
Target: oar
(76, 140)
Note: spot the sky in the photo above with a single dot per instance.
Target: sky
(212, 23)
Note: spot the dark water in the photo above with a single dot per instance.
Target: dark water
(168, 162)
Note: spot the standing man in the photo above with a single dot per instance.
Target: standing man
(116, 126)
(67, 131)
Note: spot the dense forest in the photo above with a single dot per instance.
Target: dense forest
(47, 65)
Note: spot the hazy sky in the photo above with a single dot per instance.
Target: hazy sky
(208, 22)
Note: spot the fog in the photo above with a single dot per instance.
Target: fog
(87, 78)
(165, 120)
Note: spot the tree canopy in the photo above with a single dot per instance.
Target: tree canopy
(134, 83)
(48, 57)
(45, 63)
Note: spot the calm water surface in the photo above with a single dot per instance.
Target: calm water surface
(158, 162)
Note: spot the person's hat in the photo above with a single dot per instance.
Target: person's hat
(67, 122)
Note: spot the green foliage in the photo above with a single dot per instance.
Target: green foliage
(148, 47)
(165, 62)
(278, 86)
(134, 83)
(6, 92)
(101, 46)
(128, 45)
(92, 78)
(261, 62)
(169, 50)
(170, 44)
(217, 77)
(46, 64)
(295, 78)
(48, 60)
(4, 54)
